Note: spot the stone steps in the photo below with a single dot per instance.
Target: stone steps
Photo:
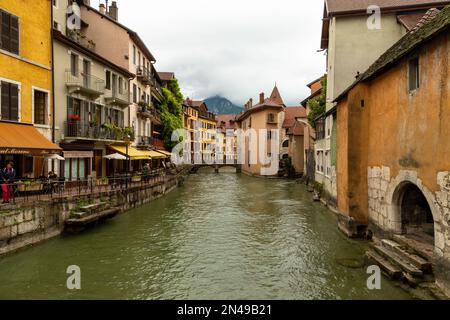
(398, 260)
(393, 271)
(401, 261)
(414, 245)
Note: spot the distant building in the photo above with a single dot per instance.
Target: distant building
(293, 142)
(267, 115)
(227, 126)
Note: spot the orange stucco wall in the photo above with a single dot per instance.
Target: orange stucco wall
(396, 128)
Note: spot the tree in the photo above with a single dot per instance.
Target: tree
(171, 111)
(317, 104)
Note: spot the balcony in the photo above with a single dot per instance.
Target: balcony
(79, 82)
(144, 75)
(82, 40)
(143, 141)
(150, 113)
(114, 97)
(86, 131)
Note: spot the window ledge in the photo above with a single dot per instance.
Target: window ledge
(42, 126)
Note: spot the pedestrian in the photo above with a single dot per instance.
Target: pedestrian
(8, 175)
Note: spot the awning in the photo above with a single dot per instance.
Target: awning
(24, 139)
(133, 153)
(156, 155)
(165, 153)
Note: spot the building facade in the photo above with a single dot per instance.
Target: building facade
(393, 142)
(26, 113)
(353, 40)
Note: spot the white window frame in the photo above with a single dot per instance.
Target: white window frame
(320, 164)
(19, 84)
(48, 115)
(327, 167)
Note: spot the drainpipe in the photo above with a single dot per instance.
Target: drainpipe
(53, 79)
(53, 75)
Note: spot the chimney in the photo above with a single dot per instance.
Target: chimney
(102, 8)
(261, 97)
(250, 103)
(114, 11)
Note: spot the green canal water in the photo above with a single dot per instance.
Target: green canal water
(222, 236)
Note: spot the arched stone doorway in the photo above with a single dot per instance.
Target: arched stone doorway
(413, 211)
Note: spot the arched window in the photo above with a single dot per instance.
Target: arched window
(286, 144)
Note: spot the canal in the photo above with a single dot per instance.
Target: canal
(222, 236)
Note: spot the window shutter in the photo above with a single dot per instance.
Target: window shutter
(5, 101)
(6, 34)
(14, 35)
(70, 105)
(14, 108)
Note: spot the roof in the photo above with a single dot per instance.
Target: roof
(311, 96)
(226, 121)
(276, 96)
(409, 21)
(291, 114)
(430, 27)
(63, 39)
(335, 7)
(359, 7)
(133, 34)
(166, 76)
(297, 129)
(24, 139)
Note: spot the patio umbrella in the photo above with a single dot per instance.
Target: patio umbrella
(55, 157)
(115, 156)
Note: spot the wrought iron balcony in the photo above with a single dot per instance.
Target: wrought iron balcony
(114, 97)
(149, 112)
(144, 74)
(84, 83)
(81, 130)
(82, 40)
(144, 141)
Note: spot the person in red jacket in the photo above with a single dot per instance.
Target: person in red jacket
(8, 175)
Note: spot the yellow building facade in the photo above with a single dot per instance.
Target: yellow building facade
(26, 82)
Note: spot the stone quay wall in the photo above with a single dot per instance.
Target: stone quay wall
(23, 225)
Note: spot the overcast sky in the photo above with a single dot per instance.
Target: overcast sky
(233, 48)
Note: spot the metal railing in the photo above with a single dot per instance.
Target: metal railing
(81, 129)
(145, 74)
(115, 95)
(85, 82)
(149, 112)
(47, 189)
(150, 141)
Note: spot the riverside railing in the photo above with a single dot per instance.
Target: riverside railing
(48, 189)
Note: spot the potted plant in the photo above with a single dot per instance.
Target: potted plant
(74, 117)
(102, 181)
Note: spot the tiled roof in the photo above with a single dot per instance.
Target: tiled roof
(430, 26)
(276, 96)
(226, 121)
(348, 6)
(409, 21)
(166, 76)
(291, 114)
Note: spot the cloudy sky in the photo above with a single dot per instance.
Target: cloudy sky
(233, 48)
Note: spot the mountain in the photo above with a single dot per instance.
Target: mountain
(221, 105)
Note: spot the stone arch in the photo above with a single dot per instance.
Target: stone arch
(395, 195)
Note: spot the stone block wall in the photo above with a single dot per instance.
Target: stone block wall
(22, 225)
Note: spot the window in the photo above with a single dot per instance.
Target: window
(134, 55)
(269, 134)
(9, 32)
(327, 163)
(139, 96)
(74, 64)
(120, 85)
(9, 101)
(320, 129)
(271, 118)
(40, 107)
(286, 144)
(55, 25)
(139, 58)
(108, 79)
(134, 93)
(319, 161)
(414, 78)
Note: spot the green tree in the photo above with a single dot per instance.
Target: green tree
(317, 104)
(171, 111)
